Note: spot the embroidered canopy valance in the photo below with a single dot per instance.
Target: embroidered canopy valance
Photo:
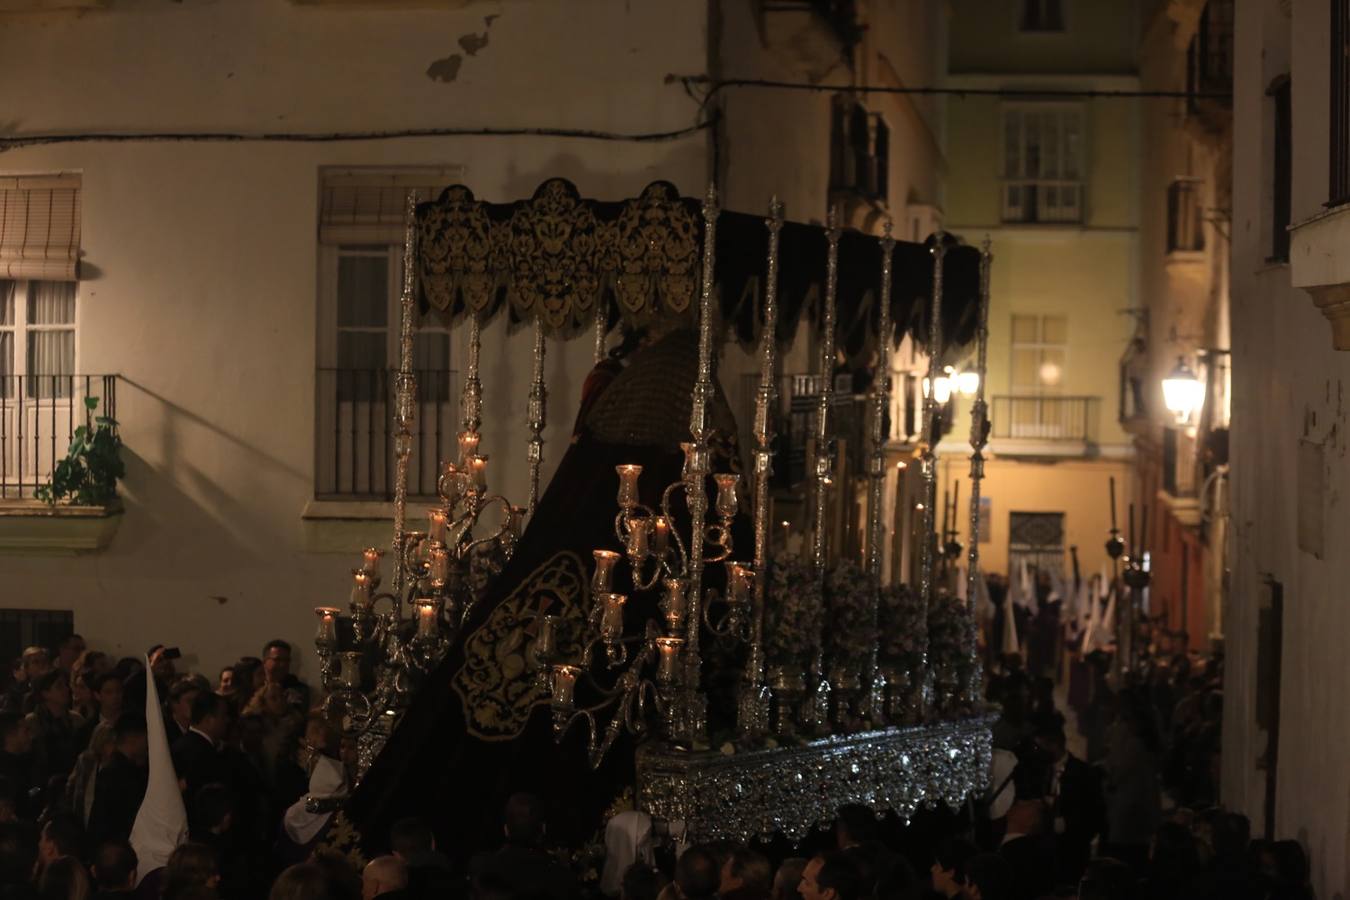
(557, 255)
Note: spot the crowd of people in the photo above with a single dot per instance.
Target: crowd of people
(1131, 816)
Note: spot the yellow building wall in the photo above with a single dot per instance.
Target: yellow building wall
(1077, 488)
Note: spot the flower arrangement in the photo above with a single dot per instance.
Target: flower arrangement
(849, 595)
(946, 639)
(795, 614)
(901, 621)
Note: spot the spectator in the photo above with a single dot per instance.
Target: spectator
(181, 696)
(640, 882)
(277, 670)
(788, 878)
(190, 866)
(522, 863)
(64, 879)
(948, 872)
(746, 875)
(107, 697)
(54, 727)
(831, 876)
(227, 687)
(68, 652)
(18, 859)
(385, 876)
(1077, 803)
(61, 836)
(988, 877)
(696, 874)
(1107, 879)
(305, 881)
(114, 870)
(196, 755)
(16, 762)
(429, 873)
(82, 698)
(121, 781)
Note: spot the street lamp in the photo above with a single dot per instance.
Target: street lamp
(1183, 393)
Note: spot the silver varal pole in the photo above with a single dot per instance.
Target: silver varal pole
(601, 320)
(405, 384)
(753, 709)
(471, 416)
(979, 436)
(536, 414)
(696, 473)
(881, 393)
(933, 426)
(824, 458)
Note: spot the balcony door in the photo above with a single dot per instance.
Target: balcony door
(356, 379)
(1040, 358)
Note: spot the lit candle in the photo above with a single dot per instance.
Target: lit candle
(726, 494)
(546, 642)
(326, 637)
(675, 603)
(667, 668)
(660, 535)
(478, 470)
(370, 561)
(361, 586)
(611, 619)
(628, 485)
(738, 582)
(603, 578)
(440, 567)
(428, 617)
(468, 446)
(436, 524)
(564, 683)
(637, 538)
(349, 672)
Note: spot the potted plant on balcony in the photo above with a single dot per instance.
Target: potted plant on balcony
(78, 508)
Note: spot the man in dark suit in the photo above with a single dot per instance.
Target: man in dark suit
(16, 763)
(522, 864)
(1078, 804)
(114, 870)
(120, 786)
(197, 756)
(1027, 846)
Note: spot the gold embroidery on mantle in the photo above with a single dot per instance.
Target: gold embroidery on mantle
(497, 683)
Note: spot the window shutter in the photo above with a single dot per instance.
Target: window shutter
(40, 227)
(365, 206)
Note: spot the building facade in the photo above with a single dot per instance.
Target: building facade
(1284, 723)
(1052, 180)
(241, 295)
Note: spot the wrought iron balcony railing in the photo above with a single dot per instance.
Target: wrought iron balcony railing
(354, 440)
(38, 418)
(1044, 418)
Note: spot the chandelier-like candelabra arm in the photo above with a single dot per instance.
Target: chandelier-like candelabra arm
(537, 406)
(823, 456)
(406, 381)
(933, 427)
(874, 706)
(752, 708)
(979, 437)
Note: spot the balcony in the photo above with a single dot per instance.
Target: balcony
(1044, 426)
(1042, 202)
(39, 415)
(794, 424)
(355, 439)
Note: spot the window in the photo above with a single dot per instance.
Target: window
(37, 339)
(1043, 163)
(859, 150)
(361, 238)
(1339, 187)
(1042, 15)
(1282, 172)
(1209, 56)
(1185, 216)
(1039, 353)
(24, 628)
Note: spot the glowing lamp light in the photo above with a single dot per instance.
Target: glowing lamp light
(967, 383)
(943, 389)
(1183, 393)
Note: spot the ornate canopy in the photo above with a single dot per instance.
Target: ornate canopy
(557, 255)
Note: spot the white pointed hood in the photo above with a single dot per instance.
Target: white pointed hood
(161, 823)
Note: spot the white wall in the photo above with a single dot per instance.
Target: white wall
(1288, 385)
(204, 262)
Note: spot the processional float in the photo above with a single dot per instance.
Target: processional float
(883, 708)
